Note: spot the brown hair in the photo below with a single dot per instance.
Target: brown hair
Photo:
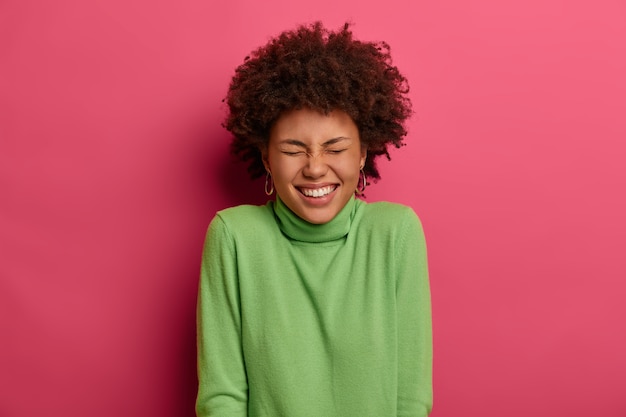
(322, 70)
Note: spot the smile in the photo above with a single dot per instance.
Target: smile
(317, 192)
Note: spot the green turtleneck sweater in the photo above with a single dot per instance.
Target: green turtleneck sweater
(331, 320)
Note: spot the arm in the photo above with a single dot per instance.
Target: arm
(223, 388)
(414, 322)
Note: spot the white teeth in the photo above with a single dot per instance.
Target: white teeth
(317, 192)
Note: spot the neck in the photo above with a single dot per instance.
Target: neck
(298, 229)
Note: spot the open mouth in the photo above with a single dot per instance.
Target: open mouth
(318, 192)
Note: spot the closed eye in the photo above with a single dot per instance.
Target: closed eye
(335, 151)
(293, 153)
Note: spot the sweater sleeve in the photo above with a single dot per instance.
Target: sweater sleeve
(414, 322)
(223, 388)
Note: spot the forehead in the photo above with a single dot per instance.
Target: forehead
(313, 127)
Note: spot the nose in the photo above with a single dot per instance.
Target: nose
(315, 166)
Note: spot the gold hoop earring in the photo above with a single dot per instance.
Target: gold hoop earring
(360, 189)
(268, 179)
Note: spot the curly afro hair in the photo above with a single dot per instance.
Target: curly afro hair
(322, 70)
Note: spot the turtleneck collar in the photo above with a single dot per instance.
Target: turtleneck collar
(301, 230)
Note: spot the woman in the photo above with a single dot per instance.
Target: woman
(317, 303)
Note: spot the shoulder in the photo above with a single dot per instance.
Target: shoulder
(390, 216)
(244, 219)
(244, 213)
(395, 228)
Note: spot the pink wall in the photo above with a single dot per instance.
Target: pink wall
(113, 161)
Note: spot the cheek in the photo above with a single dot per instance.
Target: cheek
(283, 168)
(350, 171)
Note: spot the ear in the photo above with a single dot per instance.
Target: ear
(363, 156)
(265, 159)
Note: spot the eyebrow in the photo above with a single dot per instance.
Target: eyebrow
(301, 144)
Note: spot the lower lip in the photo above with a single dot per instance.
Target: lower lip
(319, 201)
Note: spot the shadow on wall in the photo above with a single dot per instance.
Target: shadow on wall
(188, 376)
(217, 179)
(236, 186)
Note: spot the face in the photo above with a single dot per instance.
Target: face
(315, 160)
